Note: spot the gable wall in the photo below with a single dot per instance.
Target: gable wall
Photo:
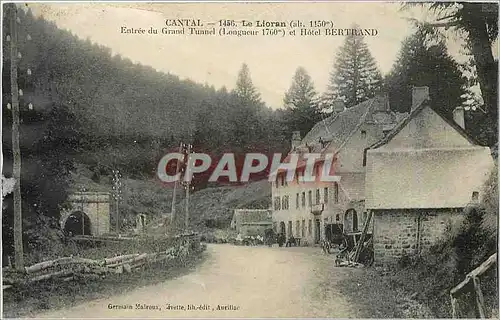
(427, 130)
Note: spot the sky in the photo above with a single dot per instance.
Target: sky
(216, 60)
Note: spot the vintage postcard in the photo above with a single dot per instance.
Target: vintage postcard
(249, 160)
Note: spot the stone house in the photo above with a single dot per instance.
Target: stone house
(420, 177)
(303, 209)
(251, 222)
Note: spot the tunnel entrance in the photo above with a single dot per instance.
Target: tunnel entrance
(78, 223)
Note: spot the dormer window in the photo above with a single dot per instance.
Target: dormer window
(363, 134)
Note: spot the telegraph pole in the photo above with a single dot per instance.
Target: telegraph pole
(117, 188)
(187, 185)
(174, 192)
(16, 152)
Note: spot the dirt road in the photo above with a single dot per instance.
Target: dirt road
(235, 281)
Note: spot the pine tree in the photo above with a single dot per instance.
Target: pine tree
(423, 64)
(356, 77)
(301, 102)
(246, 125)
(245, 89)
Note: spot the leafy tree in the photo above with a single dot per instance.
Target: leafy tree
(301, 103)
(423, 64)
(356, 77)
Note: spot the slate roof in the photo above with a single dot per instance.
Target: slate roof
(336, 130)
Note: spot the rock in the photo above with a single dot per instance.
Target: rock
(127, 268)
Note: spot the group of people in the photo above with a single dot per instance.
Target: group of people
(269, 238)
(249, 240)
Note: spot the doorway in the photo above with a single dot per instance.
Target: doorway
(282, 228)
(351, 221)
(317, 231)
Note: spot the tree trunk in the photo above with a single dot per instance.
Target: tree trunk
(483, 57)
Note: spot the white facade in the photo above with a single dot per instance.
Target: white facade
(303, 209)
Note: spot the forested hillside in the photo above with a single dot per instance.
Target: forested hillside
(121, 104)
(82, 105)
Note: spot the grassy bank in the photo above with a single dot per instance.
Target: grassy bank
(375, 296)
(36, 299)
(419, 287)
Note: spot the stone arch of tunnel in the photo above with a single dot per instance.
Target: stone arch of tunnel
(78, 223)
(94, 205)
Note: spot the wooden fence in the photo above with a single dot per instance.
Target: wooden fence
(73, 268)
(472, 281)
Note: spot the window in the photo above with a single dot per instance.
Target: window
(297, 202)
(337, 217)
(289, 228)
(325, 199)
(318, 196)
(277, 203)
(309, 229)
(297, 228)
(310, 198)
(282, 180)
(285, 203)
(303, 199)
(336, 192)
(363, 134)
(303, 228)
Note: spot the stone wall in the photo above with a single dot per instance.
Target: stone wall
(409, 231)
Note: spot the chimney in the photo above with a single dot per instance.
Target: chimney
(458, 116)
(338, 106)
(418, 95)
(295, 139)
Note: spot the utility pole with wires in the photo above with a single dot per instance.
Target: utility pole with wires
(117, 195)
(174, 193)
(187, 186)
